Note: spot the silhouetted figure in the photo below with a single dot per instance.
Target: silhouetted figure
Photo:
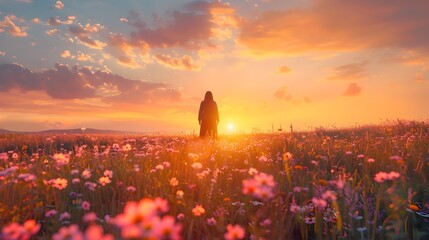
(208, 116)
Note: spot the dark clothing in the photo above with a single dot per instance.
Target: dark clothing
(208, 116)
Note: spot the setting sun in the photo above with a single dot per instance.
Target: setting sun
(230, 127)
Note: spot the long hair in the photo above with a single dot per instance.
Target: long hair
(208, 97)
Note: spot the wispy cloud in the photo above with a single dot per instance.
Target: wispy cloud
(184, 63)
(282, 94)
(337, 25)
(36, 20)
(51, 31)
(84, 57)
(353, 89)
(284, 69)
(83, 35)
(352, 71)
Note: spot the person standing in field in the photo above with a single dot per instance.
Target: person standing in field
(208, 116)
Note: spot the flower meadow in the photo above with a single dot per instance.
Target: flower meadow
(359, 183)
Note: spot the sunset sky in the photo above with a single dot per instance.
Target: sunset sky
(145, 65)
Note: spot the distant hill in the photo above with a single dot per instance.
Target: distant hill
(73, 131)
(4, 131)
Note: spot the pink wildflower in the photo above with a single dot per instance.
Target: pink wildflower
(27, 177)
(266, 223)
(263, 159)
(64, 216)
(320, 203)
(167, 229)
(51, 213)
(264, 193)
(4, 156)
(15, 231)
(265, 179)
(329, 195)
(95, 232)
(85, 205)
(234, 232)
(143, 220)
(31, 226)
(380, 177)
(70, 232)
(86, 173)
(249, 186)
(180, 216)
(136, 212)
(261, 186)
(131, 189)
(211, 221)
(90, 217)
(294, 207)
(90, 185)
(161, 205)
(108, 173)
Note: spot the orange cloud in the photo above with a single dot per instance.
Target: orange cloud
(59, 5)
(353, 90)
(84, 57)
(51, 31)
(284, 69)
(353, 71)
(128, 53)
(83, 34)
(36, 20)
(65, 54)
(8, 25)
(127, 62)
(339, 25)
(184, 63)
(194, 27)
(282, 94)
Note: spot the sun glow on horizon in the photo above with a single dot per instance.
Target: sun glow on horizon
(230, 127)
